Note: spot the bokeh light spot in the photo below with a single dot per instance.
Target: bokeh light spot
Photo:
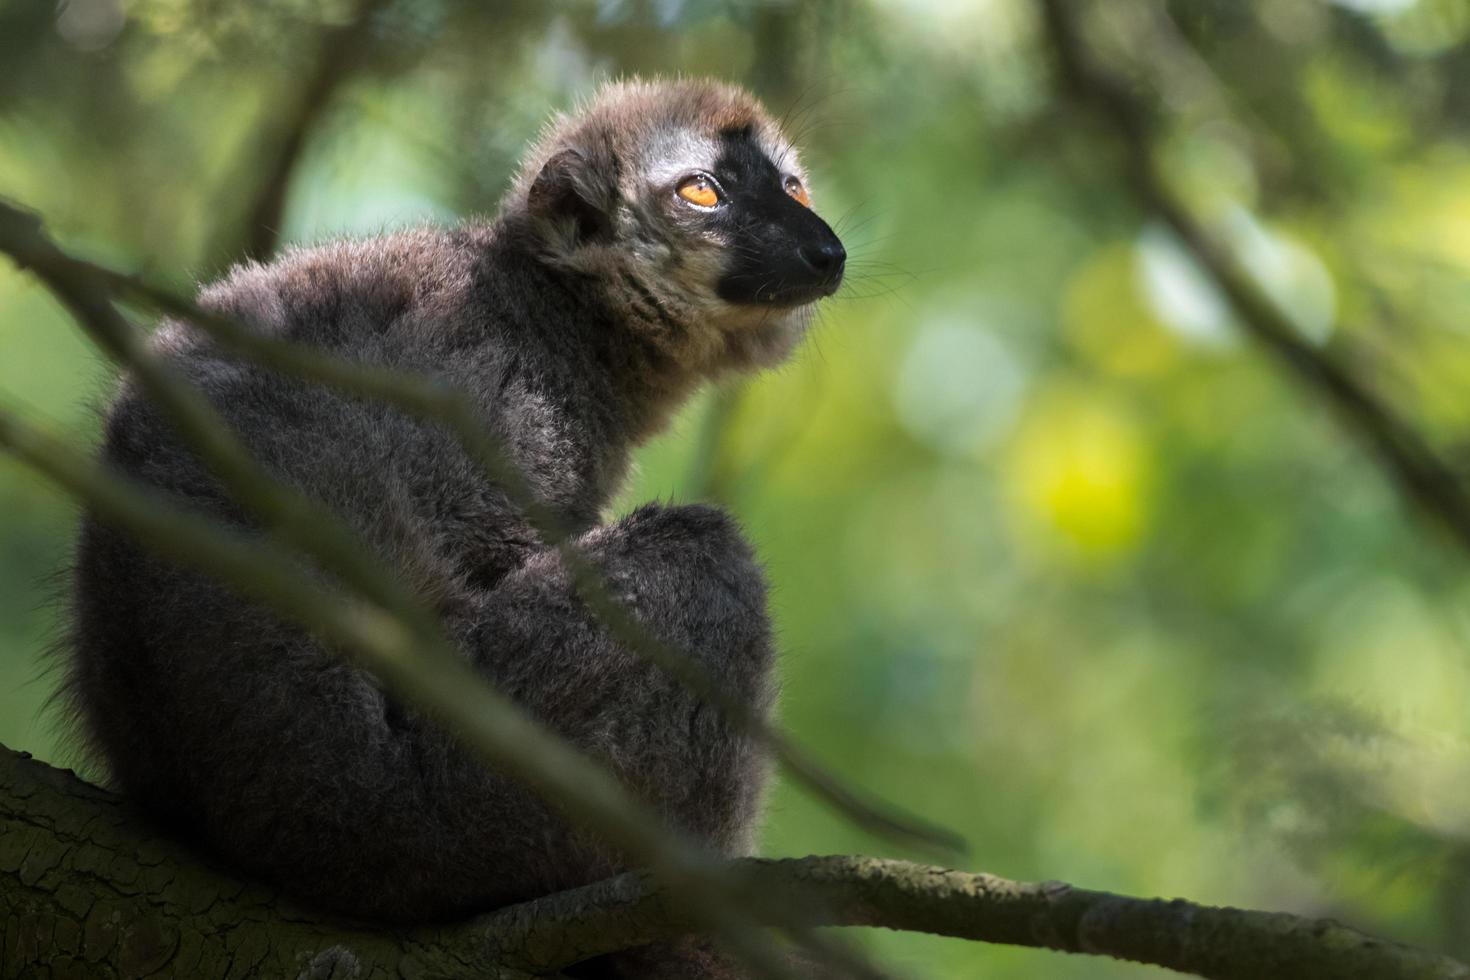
(1106, 318)
(1179, 293)
(959, 386)
(1080, 470)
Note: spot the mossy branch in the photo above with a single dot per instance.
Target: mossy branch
(86, 886)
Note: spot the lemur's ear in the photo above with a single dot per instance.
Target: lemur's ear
(568, 189)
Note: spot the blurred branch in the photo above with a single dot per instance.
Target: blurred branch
(284, 512)
(425, 398)
(339, 53)
(1410, 463)
(82, 876)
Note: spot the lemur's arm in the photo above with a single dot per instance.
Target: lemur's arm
(692, 582)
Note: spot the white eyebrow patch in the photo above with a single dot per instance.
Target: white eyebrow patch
(674, 153)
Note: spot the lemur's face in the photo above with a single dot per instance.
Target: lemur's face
(737, 201)
(690, 208)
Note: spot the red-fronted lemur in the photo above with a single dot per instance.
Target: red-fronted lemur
(659, 237)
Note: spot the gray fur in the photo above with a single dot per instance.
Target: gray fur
(576, 341)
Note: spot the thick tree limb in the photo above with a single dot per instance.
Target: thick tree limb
(87, 888)
(1408, 460)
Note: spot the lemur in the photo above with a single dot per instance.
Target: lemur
(660, 237)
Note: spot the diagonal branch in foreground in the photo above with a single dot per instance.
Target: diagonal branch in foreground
(83, 879)
(87, 288)
(1404, 455)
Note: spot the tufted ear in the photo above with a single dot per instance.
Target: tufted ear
(569, 190)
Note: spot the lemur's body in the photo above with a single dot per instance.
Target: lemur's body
(577, 321)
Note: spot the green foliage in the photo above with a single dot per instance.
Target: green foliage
(1061, 560)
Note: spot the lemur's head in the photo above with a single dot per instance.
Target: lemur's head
(691, 208)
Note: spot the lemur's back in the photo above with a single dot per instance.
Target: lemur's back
(614, 281)
(232, 725)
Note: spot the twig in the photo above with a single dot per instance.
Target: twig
(425, 398)
(1408, 460)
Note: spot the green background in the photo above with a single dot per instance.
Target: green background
(1061, 559)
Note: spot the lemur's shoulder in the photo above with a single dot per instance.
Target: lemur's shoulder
(425, 270)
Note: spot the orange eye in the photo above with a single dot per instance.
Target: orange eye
(795, 188)
(700, 191)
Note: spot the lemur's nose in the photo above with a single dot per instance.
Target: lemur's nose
(826, 259)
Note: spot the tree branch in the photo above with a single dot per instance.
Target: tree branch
(1206, 941)
(85, 884)
(1423, 478)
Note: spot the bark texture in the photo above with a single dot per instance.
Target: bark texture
(88, 889)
